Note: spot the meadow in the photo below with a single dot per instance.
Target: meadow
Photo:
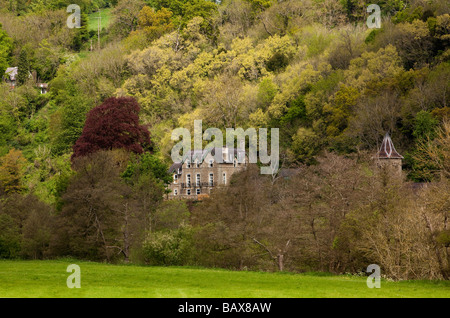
(93, 19)
(45, 279)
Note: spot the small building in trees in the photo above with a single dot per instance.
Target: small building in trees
(198, 174)
(43, 87)
(11, 76)
(388, 157)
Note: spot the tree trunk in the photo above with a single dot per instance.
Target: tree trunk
(126, 241)
(280, 258)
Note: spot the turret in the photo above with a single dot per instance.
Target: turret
(387, 156)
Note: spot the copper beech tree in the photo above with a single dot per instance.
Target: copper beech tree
(113, 125)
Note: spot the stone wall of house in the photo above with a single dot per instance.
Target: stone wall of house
(394, 165)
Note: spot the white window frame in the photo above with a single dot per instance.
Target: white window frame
(175, 191)
(188, 191)
(211, 179)
(188, 179)
(211, 163)
(198, 191)
(197, 179)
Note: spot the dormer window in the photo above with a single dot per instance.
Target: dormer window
(188, 164)
(175, 178)
(210, 163)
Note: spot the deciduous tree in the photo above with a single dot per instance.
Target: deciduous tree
(113, 125)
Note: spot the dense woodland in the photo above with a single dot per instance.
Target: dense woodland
(83, 168)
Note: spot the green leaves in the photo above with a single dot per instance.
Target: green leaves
(147, 164)
(6, 46)
(425, 126)
(185, 10)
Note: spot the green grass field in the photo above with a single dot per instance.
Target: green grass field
(93, 21)
(48, 279)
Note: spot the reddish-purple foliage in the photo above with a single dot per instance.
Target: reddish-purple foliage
(111, 125)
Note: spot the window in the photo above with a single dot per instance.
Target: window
(210, 163)
(198, 180)
(224, 178)
(175, 178)
(188, 191)
(188, 180)
(175, 191)
(211, 179)
(198, 191)
(198, 164)
(188, 164)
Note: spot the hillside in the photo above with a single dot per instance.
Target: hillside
(84, 167)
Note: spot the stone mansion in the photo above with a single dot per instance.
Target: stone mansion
(199, 173)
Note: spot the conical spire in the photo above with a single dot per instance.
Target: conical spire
(387, 149)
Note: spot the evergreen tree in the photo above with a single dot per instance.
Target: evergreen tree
(24, 67)
(81, 34)
(5, 50)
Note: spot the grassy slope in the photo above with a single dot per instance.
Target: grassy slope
(93, 21)
(48, 279)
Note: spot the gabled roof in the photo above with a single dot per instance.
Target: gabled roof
(12, 72)
(387, 149)
(200, 156)
(174, 167)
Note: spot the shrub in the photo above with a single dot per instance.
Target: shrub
(168, 247)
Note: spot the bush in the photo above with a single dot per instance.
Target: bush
(9, 237)
(168, 247)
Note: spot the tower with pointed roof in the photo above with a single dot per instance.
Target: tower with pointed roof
(388, 157)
